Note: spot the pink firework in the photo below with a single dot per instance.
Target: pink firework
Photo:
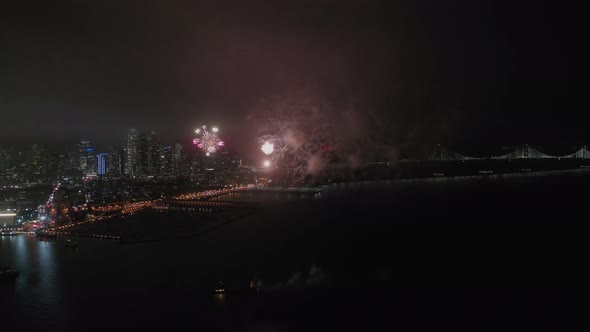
(209, 141)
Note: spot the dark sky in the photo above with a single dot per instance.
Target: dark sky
(469, 73)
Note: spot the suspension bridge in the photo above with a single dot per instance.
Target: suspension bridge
(523, 151)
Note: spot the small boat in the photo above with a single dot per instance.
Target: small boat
(6, 232)
(241, 291)
(220, 289)
(8, 274)
(72, 243)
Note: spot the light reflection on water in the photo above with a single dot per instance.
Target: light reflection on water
(36, 289)
(54, 279)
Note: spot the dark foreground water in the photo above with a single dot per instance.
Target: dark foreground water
(467, 254)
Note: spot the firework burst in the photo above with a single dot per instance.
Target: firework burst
(267, 148)
(305, 133)
(208, 141)
(293, 132)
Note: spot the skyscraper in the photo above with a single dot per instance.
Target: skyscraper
(166, 168)
(131, 153)
(177, 160)
(154, 156)
(38, 162)
(144, 155)
(102, 164)
(115, 162)
(68, 163)
(87, 157)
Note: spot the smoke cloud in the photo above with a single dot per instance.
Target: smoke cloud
(310, 131)
(298, 279)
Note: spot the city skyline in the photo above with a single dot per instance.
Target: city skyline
(140, 154)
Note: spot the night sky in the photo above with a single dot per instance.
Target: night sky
(472, 74)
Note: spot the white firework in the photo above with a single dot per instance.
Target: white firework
(267, 148)
(209, 141)
(293, 134)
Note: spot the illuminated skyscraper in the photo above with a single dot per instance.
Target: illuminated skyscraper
(38, 162)
(165, 163)
(102, 164)
(177, 161)
(131, 153)
(87, 157)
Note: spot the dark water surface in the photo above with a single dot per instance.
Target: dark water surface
(464, 254)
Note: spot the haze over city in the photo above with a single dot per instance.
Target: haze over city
(491, 72)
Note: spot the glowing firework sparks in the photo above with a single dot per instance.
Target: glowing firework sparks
(266, 163)
(209, 142)
(293, 131)
(267, 148)
(310, 133)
